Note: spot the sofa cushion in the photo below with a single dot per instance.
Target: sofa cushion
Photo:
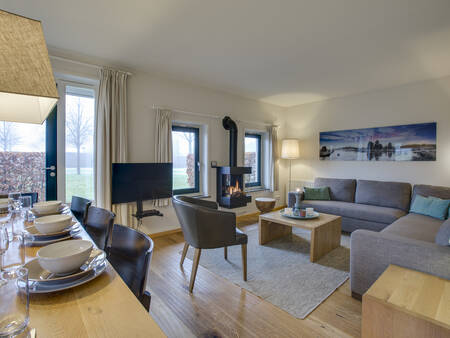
(431, 190)
(443, 235)
(384, 194)
(358, 211)
(430, 206)
(415, 226)
(321, 194)
(340, 189)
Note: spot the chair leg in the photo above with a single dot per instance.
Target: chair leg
(183, 254)
(194, 268)
(244, 261)
(225, 252)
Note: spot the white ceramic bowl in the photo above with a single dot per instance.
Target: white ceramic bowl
(64, 257)
(47, 206)
(53, 223)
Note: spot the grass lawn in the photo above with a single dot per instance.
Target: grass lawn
(79, 185)
(180, 179)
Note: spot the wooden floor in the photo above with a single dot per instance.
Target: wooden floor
(219, 308)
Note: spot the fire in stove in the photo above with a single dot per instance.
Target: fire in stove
(234, 191)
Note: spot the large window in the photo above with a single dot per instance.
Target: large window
(80, 126)
(253, 159)
(186, 171)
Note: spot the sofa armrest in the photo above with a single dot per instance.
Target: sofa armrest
(372, 252)
(291, 198)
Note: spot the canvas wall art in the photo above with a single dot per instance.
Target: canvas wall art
(411, 142)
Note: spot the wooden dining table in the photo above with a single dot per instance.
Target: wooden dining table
(103, 307)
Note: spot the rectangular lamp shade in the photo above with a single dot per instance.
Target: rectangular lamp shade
(27, 88)
(290, 149)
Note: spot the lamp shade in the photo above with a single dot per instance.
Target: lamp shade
(290, 149)
(27, 88)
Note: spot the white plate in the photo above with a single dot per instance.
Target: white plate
(38, 274)
(62, 210)
(52, 223)
(49, 240)
(32, 231)
(40, 287)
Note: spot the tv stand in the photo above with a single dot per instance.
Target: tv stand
(141, 213)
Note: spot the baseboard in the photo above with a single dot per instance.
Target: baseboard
(238, 218)
(165, 233)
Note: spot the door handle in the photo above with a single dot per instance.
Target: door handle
(52, 167)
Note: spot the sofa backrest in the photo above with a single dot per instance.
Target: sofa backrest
(384, 194)
(340, 189)
(431, 190)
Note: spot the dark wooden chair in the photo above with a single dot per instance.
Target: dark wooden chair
(205, 227)
(79, 207)
(130, 254)
(99, 224)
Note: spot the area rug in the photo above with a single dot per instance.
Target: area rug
(280, 271)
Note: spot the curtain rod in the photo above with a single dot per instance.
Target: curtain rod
(210, 116)
(83, 63)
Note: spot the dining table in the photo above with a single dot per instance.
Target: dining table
(103, 307)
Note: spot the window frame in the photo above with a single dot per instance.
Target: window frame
(196, 131)
(259, 161)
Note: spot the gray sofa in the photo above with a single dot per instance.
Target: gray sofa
(383, 230)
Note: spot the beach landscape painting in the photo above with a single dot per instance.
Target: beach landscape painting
(411, 142)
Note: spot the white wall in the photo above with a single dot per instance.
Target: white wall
(146, 90)
(427, 101)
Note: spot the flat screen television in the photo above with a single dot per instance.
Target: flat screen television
(132, 182)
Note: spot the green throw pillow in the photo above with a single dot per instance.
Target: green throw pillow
(322, 194)
(430, 206)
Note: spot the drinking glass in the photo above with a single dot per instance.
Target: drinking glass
(14, 198)
(4, 243)
(15, 301)
(26, 207)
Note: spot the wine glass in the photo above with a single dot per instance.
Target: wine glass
(15, 203)
(4, 243)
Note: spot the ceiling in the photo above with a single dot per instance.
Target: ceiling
(281, 52)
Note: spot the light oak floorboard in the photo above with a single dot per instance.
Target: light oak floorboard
(219, 308)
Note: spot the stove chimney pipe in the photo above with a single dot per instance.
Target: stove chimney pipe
(230, 125)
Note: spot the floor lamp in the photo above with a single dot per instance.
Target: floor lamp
(290, 150)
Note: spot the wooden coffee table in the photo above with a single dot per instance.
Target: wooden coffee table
(325, 231)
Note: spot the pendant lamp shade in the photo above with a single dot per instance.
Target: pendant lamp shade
(27, 88)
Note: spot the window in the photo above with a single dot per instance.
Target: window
(185, 150)
(80, 126)
(253, 159)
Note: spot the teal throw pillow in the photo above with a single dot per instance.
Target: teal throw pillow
(430, 206)
(322, 194)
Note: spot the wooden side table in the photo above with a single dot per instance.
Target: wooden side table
(406, 303)
(265, 204)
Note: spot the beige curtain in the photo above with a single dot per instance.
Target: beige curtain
(163, 143)
(111, 138)
(274, 157)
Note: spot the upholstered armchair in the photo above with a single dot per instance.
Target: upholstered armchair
(206, 227)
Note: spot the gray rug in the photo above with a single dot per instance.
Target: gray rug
(280, 271)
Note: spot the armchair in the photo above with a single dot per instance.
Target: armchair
(206, 227)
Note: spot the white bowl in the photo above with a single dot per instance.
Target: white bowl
(51, 224)
(64, 257)
(47, 206)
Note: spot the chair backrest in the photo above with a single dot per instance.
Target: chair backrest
(99, 224)
(130, 254)
(204, 226)
(79, 207)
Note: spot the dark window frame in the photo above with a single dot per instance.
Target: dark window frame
(196, 132)
(257, 183)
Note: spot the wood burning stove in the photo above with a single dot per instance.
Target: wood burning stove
(230, 180)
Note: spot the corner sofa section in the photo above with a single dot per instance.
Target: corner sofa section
(362, 204)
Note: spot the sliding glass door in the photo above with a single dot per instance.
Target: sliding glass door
(28, 158)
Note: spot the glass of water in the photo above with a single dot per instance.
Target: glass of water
(4, 244)
(15, 301)
(14, 201)
(26, 208)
